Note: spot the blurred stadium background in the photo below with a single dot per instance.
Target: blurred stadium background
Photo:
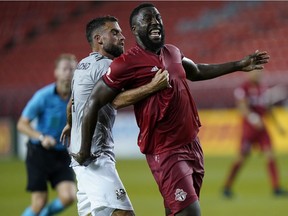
(33, 34)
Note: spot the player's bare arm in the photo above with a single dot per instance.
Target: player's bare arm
(100, 96)
(196, 72)
(129, 97)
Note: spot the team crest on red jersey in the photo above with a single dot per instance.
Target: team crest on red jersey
(180, 195)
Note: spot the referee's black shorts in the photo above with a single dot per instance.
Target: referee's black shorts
(45, 166)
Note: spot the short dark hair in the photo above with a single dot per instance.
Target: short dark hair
(96, 23)
(136, 11)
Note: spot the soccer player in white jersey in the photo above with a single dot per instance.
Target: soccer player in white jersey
(100, 190)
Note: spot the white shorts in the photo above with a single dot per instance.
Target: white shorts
(100, 190)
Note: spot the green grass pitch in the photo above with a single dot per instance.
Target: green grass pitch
(252, 188)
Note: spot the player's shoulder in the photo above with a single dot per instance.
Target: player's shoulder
(173, 51)
(124, 59)
(92, 66)
(171, 46)
(133, 52)
(130, 57)
(93, 59)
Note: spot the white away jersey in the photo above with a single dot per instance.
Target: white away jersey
(87, 73)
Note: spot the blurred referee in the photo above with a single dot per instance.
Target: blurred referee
(47, 159)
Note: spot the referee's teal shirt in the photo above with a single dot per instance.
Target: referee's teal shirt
(49, 109)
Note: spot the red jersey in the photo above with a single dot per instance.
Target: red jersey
(255, 95)
(168, 118)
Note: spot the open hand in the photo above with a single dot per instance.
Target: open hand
(254, 61)
(65, 135)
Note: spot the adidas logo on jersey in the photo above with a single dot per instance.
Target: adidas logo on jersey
(154, 69)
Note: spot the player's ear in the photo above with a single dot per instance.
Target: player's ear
(98, 39)
(133, 29)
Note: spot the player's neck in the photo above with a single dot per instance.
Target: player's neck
(103, 53)
(155, 51)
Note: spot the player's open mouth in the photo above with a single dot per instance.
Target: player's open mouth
(155, 33)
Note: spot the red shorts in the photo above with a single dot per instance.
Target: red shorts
(179, 174)
(253, 137)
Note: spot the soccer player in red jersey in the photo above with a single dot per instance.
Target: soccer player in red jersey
(253, 103)
(168, 120)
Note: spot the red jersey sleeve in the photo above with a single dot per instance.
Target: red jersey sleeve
(119, 74)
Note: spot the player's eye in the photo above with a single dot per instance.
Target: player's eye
(147, 18)
(115, 33)
(158, 17)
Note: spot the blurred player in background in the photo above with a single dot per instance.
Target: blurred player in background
(253, 101)
(168, 120)
(100, 190)
(47, 159)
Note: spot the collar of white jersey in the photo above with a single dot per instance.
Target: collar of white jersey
(97, 55)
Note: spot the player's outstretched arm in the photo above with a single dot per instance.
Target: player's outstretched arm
(196, 72)
(132, 96)
(100, 96)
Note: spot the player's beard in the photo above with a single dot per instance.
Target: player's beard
(114, 50)
(148, 43)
